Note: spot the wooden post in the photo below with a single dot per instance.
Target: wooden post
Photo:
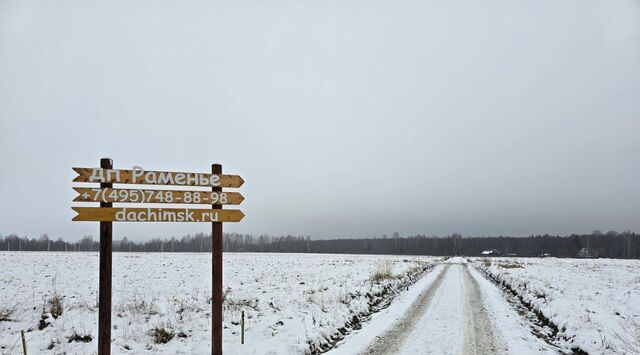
(104, 307)
(242, 329)
(216, 277)
(24, 343)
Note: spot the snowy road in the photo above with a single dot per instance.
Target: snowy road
(454, 311)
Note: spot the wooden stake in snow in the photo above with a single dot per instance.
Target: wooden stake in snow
(24, 343)
(242, 329)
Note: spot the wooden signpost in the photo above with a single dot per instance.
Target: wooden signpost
(106, 195)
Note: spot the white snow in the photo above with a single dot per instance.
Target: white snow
(441, 329)
(295, 302)
(513, 329)
(594, 302)
(383, 320)
(292, 301)
(450, 324)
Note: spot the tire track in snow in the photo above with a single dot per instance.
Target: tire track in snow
(391, 342)
(458, 313)
(479, 333)
(449, 317)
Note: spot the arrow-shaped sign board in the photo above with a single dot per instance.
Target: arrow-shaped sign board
(108, 214)
(157, 196)
(139, 176)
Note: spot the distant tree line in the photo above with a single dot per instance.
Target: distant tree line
(611, 244)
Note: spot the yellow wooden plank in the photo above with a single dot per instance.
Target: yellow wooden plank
(144, 177)
(86, 194)
(109, 214)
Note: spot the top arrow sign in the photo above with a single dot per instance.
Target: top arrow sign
(139, 176)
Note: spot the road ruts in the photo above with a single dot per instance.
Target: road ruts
(479, 334)
(391, 341)
(449, 318)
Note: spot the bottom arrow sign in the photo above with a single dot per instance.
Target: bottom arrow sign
(108, 214)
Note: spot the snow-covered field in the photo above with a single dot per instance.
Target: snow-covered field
(293, 302)
(595, 303)
(304, 303)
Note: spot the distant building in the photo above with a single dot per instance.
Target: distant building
(587, 253)
(491, 252)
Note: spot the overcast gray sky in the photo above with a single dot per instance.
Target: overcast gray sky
(346, 118)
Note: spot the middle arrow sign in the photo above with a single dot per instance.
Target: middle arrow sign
(157, 196)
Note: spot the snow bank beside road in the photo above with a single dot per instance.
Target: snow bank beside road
(382, 321)
(594, 303)
(513, 328)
